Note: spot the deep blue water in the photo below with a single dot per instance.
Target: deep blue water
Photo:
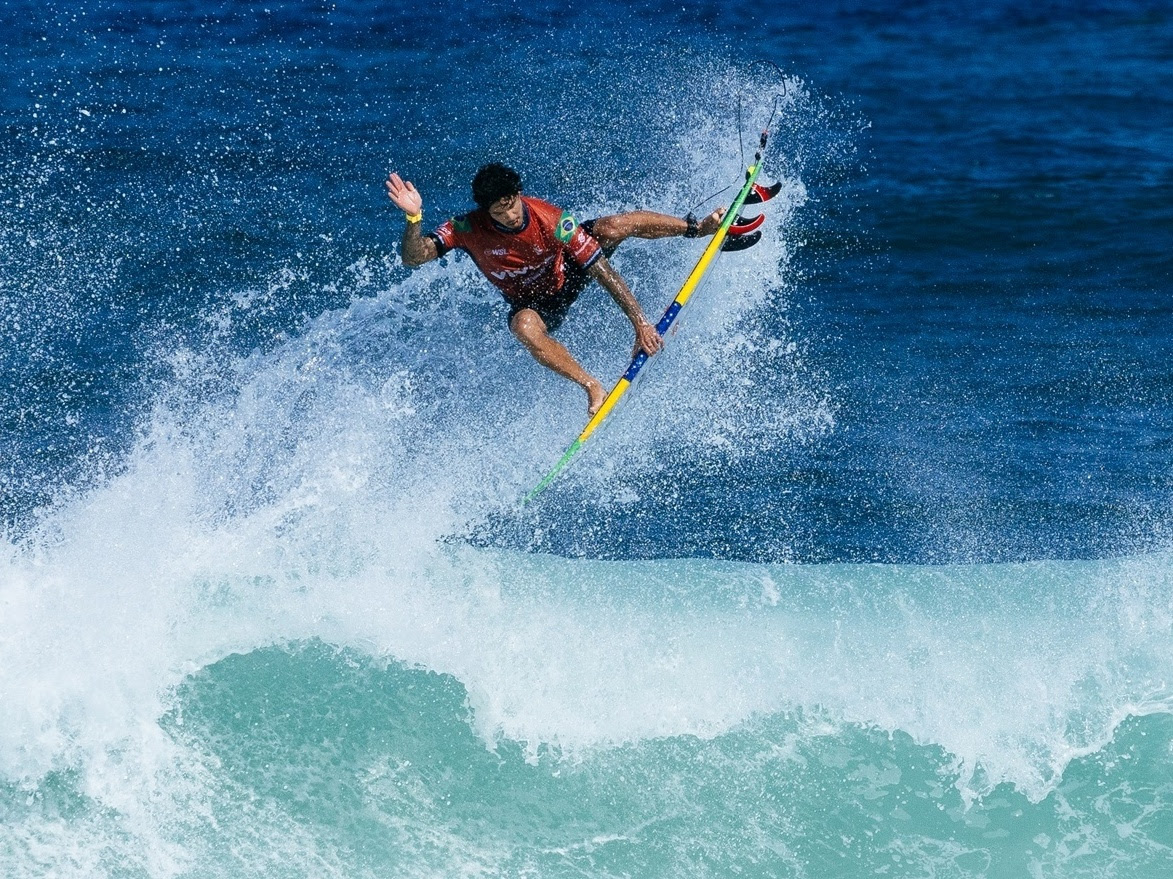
(871, 577)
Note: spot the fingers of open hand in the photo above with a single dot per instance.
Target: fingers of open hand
(403, 193)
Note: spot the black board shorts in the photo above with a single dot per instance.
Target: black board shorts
(553, 309)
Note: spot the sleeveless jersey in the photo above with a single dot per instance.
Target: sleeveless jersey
(527, 264)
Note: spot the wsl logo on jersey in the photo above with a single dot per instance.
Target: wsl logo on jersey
(566, 227)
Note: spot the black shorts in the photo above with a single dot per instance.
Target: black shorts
(552, 309)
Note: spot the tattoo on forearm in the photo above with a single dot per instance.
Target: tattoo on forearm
(417, 249)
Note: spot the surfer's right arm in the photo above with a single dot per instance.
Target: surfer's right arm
(417, 249)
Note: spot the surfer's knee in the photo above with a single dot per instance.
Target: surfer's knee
(610, 231)
(527, 325)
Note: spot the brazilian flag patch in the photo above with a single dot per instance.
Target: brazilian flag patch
(461, 224)
(566, 227)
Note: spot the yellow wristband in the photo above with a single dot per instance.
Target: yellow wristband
(414, 218)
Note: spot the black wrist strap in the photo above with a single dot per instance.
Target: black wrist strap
(693, 229)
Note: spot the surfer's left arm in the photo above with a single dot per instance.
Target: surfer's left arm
(645, 334)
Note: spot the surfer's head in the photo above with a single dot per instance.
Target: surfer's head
(496, 188)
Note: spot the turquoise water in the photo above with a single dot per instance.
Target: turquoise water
(522, 715)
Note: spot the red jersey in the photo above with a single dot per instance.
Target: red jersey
(526, 264)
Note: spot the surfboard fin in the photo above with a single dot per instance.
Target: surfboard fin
(741, 226)
(734, 243)
(744, 233)
(760, 193)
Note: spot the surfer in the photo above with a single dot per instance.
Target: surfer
(541, 259)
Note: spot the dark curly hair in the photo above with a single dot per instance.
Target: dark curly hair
(494, 181)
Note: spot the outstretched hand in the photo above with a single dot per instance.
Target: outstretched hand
(404, 194)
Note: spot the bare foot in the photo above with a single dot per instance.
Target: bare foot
(595, 397)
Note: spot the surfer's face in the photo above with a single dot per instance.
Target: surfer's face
(508, 211)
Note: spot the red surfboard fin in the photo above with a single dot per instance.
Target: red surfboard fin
(761, 193)
(740, 225)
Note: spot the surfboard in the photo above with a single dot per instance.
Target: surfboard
(733, 234)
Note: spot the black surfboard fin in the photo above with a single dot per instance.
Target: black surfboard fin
(740, 242)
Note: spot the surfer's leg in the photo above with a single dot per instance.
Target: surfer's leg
(610, 231)
(530, 330)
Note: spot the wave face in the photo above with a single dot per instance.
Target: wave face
(508, 713)
(871, 576)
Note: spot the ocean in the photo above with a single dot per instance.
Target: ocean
(872, 575)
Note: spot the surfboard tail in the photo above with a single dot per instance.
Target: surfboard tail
(743, 231)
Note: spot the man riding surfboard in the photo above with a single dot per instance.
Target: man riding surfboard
(541, 259)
